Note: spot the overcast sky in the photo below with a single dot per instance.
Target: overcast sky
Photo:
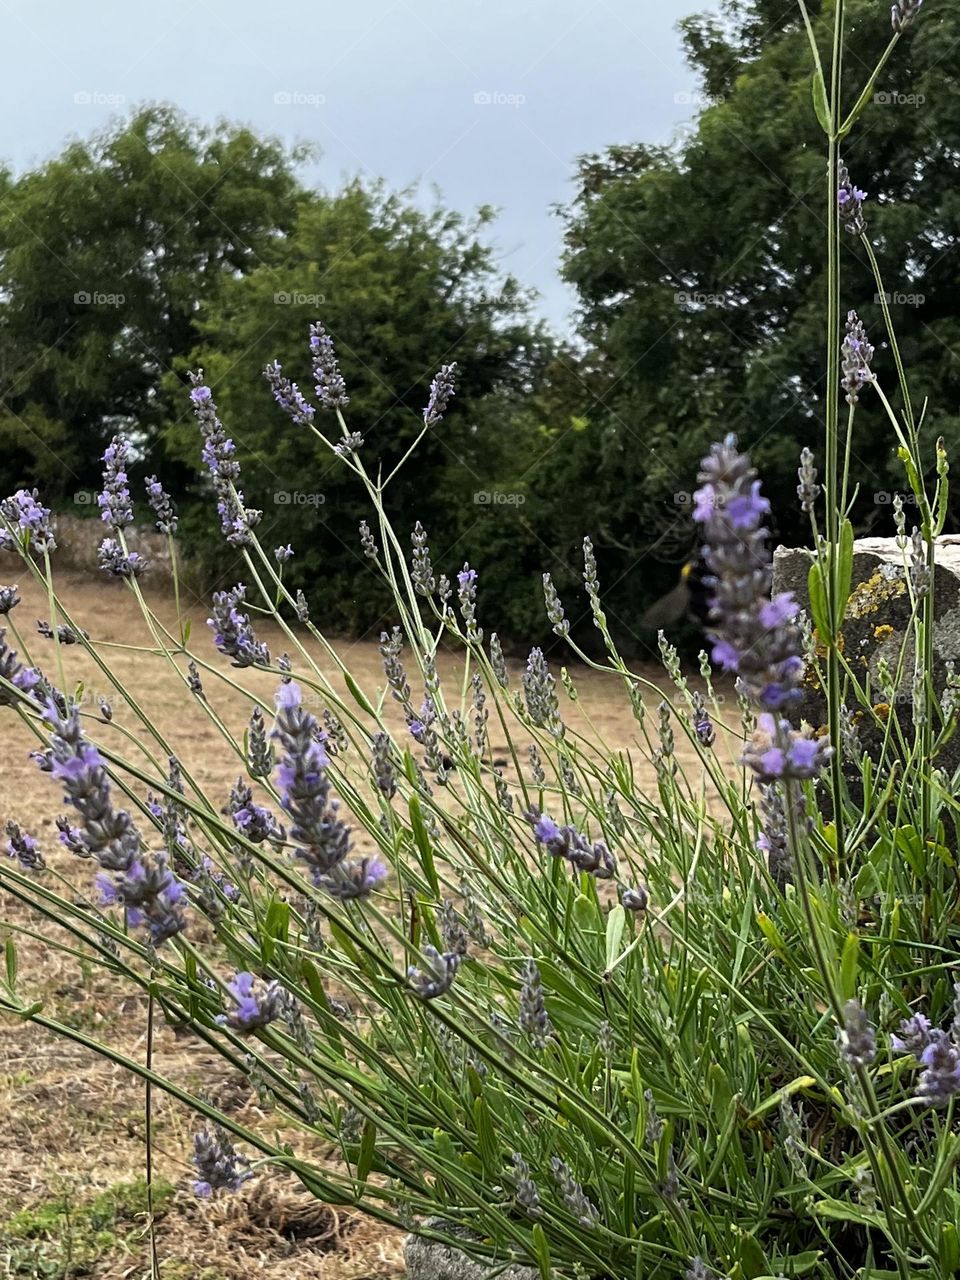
(489, 100)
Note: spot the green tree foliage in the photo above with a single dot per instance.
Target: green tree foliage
(401, 291)
(107, 254)
(695, 271)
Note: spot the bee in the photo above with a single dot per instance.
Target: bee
(690, 598)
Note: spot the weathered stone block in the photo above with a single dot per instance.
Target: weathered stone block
(432, 1260)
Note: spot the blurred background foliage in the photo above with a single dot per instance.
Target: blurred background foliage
(163, 245)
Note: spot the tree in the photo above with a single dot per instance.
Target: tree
(401, 291)
(107, 254)
(701, 278)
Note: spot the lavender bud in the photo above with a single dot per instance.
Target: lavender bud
(636, 899)
(288, 395)
(773, 839)
(698, 1270)
(330, 387)
(902, 14)
(23, 512)
(260, 758)
(857, 1040)
(383, 770)
(540, 694)
(534, 1020)
(9, 599)
(554, 607)
(112, 559)
(807, 490)
(472, 917)
(702, 724)
(390, 647)
(162, 505)
(528, 1197)
(850, 203)
(654, 1125)
(65, 633)
(194, 681)
(592, 584)
(451, 930)
(439, 975)
(421, 571)
(919, 570)
(497, 661)
(536, 765)
(23, 848)
(913, 1035)
(573, 1195)
(352, 442)
(940, 1078)
(114, 502)
(233, 634)
(367, 541)
(283, 554)
(256, 1004)
(217, 1162)
(856, 354)
(467, 580)
(442, 390)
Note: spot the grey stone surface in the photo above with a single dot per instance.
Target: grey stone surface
(877, 625)
(433, 1260)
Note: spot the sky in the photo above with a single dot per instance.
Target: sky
(489, 101)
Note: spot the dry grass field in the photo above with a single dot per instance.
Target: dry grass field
(71, 1125)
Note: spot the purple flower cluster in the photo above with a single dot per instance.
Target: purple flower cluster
(9, 599)
(232, 633)
(753, 634)
(65, 633)
(442, 390)
(567, 842)
(218, 454)
(14, 672)
(856, 353)
(255, 1004)
(288, 395)
(144, 884)
(938, 1054)
(323, 840)
(112, 559)
(850, 203)
(439, 974)
(329, 384)
(162, 505)
(254, 821)
(23, 848)
(217, 1162)
(23, 512)
(114, 502)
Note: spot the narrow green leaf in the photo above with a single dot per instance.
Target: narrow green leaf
(542, 1249)
(818, 600)
(424, 848)
(10, 951)
(358, 695)
(616, 921)
(844, 570)
(949, 1249)
(820, 104)
(368, 1148)
(753, 1261)
(849, 963)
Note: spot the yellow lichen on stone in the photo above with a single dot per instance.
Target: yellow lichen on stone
(881, 710)
(883, 632)
(868, 596)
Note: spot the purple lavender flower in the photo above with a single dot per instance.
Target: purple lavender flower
(162, 505)
(232, 633)
(352, 442)
(217, 1162)
(72, 838)
(636, 899)
(902, 14)
(256, 1004)
(442, 390)
(850, 203)
(9, 599)
(14, 672)
(702, 724)
(23, 847)
(330, 387)
(218, 452)
(65, 633)
(540, 693)
(438, 976)
(858, 1043)
(23, 512)
(940, 1078)
(776, 750)
(323, 839)
(567, 842)
(114, 502)
(283, 554)
(856, 355)
(912, 1036)
(355, 879)
(534, 1019)
(151, 894)
(112, 559)
(253, 821)
(467, 580)
(288, 396)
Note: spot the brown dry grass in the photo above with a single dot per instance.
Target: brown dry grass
(72, 1125)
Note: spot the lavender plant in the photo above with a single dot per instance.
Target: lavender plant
(702, 1028)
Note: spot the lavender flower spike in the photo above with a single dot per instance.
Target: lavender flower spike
(856, 355)
(217, 1163)
(114, 502)
(288, 396)
(442, 390)
(850, 203)
(162, 505)
(218, 452)
(330, 387)
(256, 1004)
(24, 848)
(23, 512)
(232, 633)
(902, 14)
